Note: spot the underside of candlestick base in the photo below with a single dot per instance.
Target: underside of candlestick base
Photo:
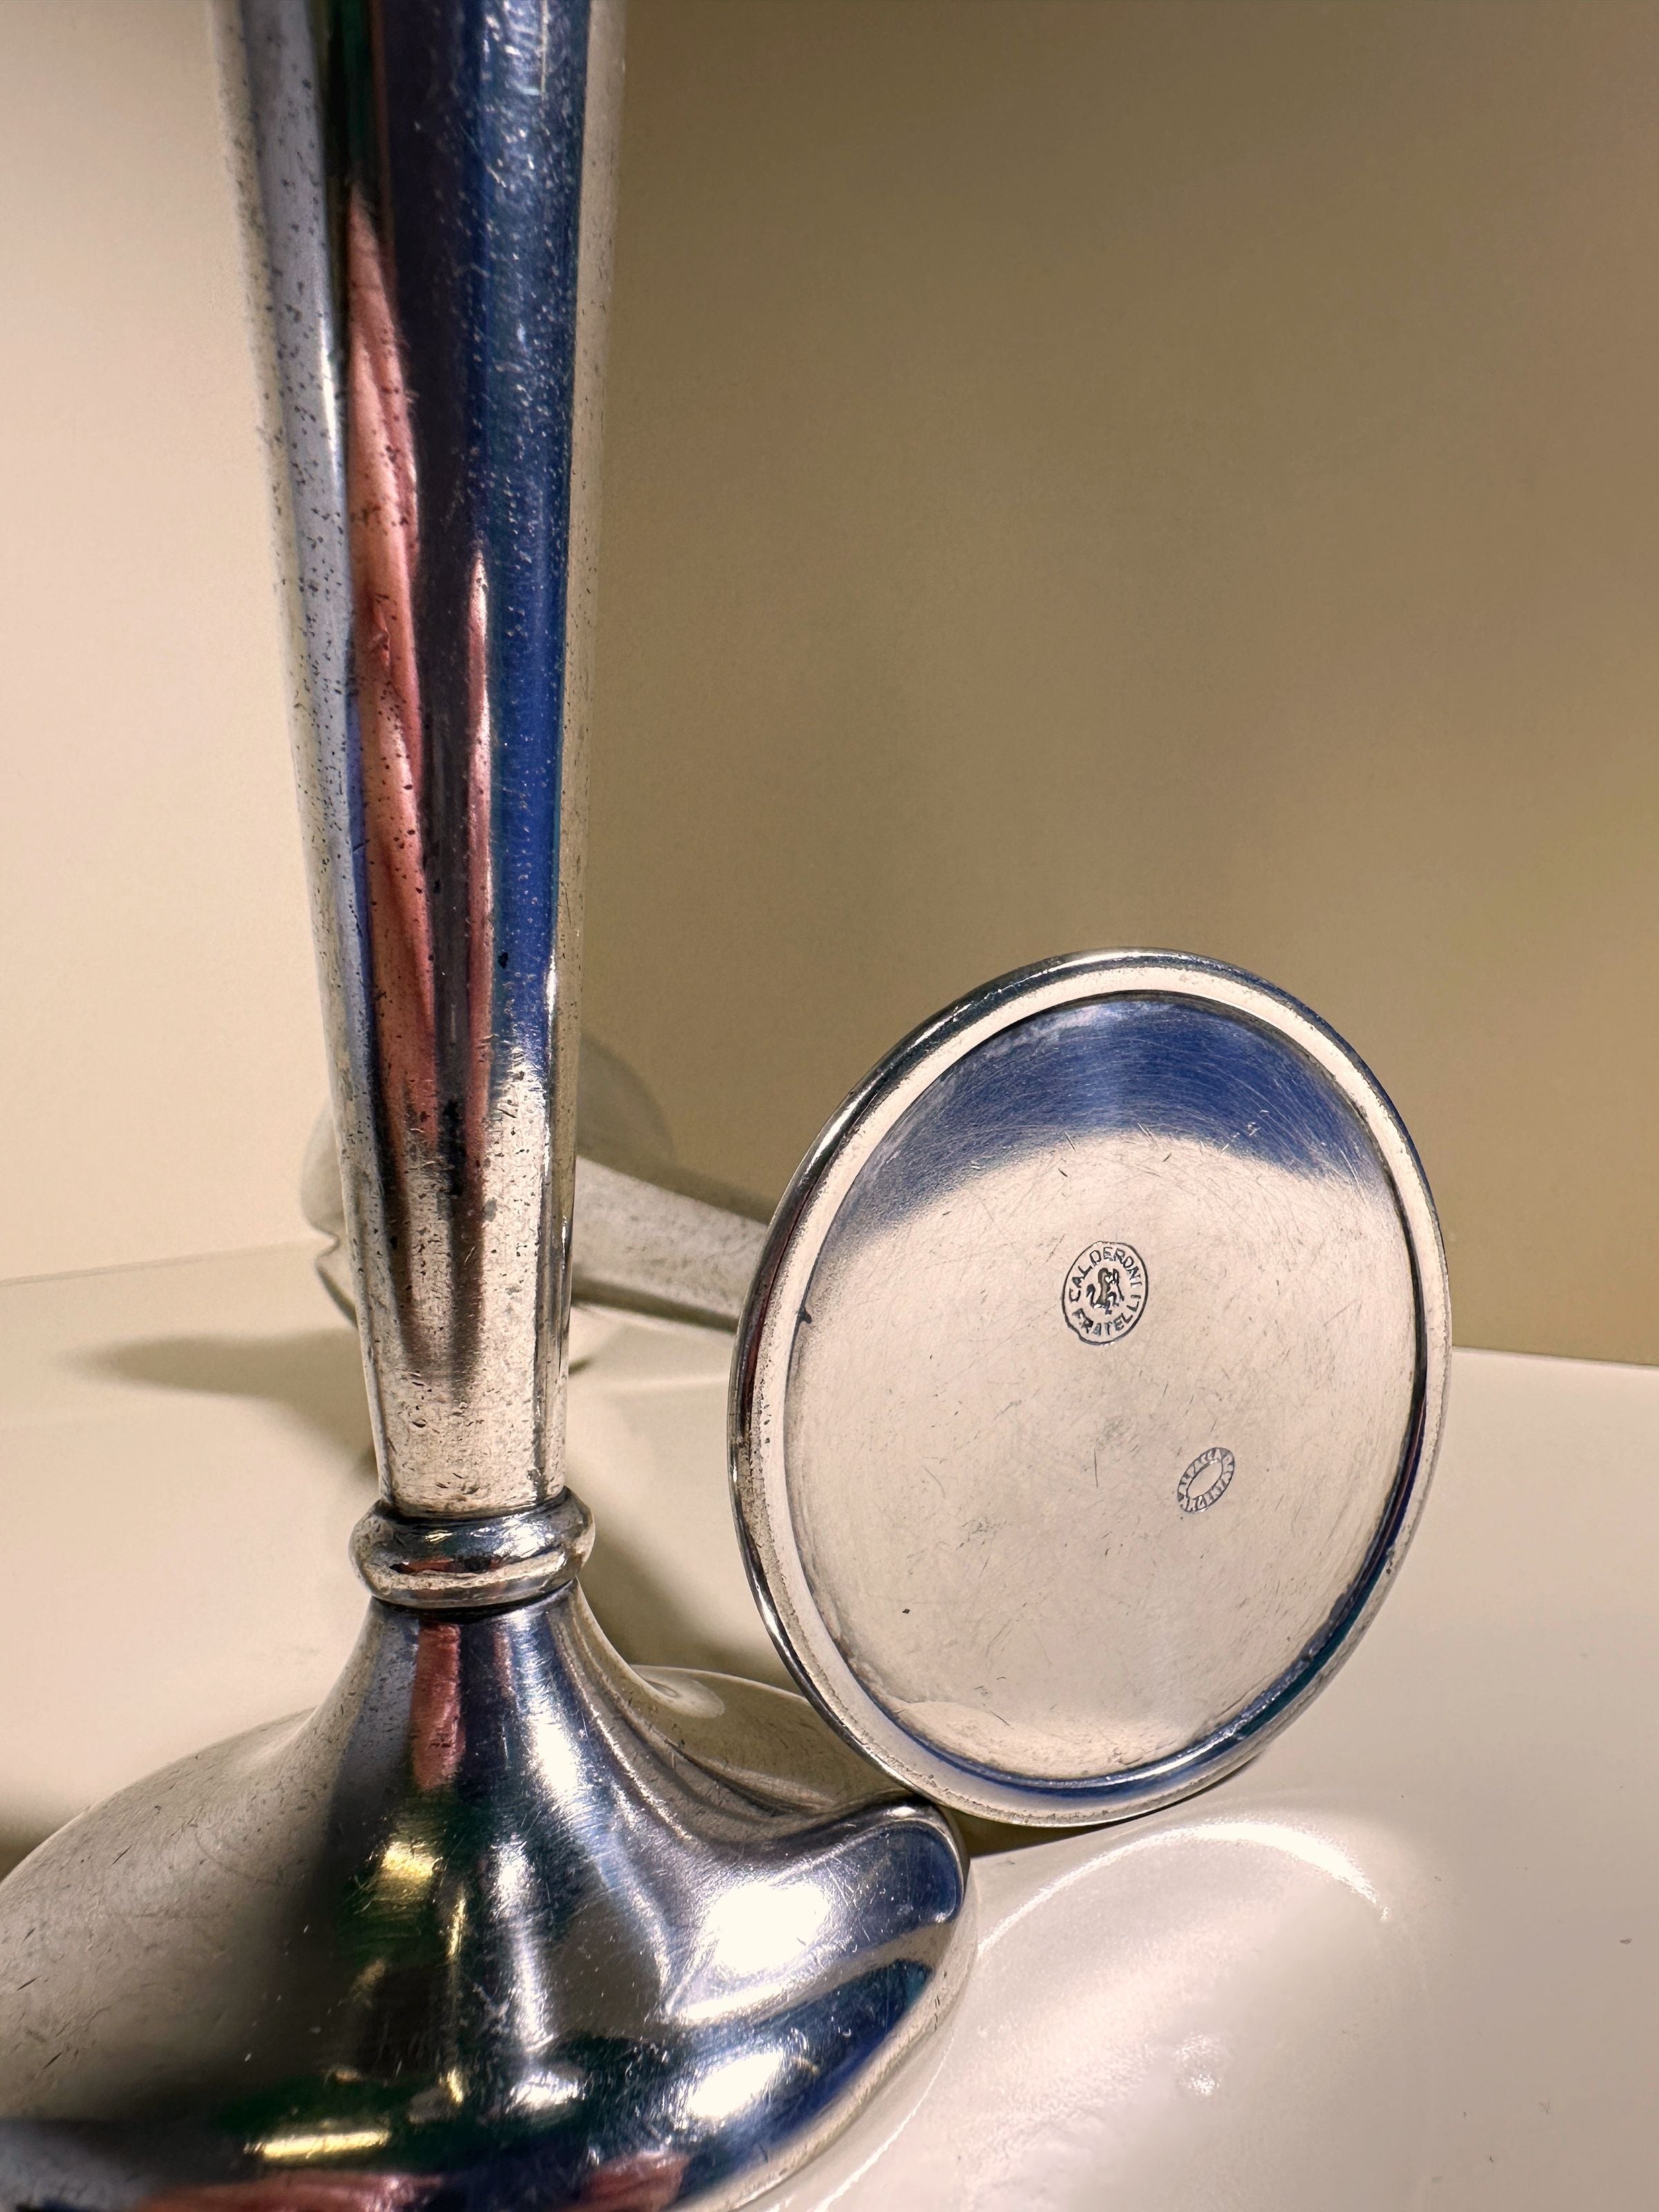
(502, 1927)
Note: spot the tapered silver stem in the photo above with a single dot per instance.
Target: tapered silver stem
(436, 181)
(503, 1925)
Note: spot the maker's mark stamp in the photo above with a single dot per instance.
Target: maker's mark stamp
(1104, 1293)
(1204, 1479)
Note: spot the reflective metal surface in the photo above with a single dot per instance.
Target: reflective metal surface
(436, 188)
(617, 1119)
(501, 1925)
(646, 1235)
(1090, 1387)
(684, 1247)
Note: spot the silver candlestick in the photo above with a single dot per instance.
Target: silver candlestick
(502, 1923)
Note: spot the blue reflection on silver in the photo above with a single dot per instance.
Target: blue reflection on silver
(1173, 1068)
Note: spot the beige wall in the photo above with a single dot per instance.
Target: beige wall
(161, 1050)
(1077, 473)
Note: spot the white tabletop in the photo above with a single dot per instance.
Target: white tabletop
(1407, 1958)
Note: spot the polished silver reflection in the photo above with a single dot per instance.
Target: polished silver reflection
(648, 1236)
(437, 185)
(1091, 1386)
(503, 1927)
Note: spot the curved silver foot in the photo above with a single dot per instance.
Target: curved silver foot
(502, 1925)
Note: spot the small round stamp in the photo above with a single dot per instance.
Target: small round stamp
(1104, 1293)
(1204, 1479)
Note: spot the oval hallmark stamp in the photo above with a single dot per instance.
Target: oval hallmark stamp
(1104, 1293)
(1204, 1479)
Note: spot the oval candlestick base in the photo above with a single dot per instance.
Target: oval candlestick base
(502, 1925)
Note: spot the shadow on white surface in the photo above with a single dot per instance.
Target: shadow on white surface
(315, 1376)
